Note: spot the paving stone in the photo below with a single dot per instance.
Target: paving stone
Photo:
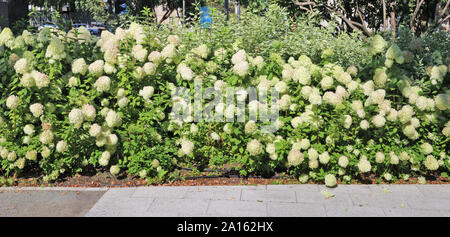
(353, 211)
(340, 199)
(295, 210)
(214, 193)
(177, 207)
(161, 192)
(119, 193)
(220, 208)
(409, 212)
(45, 203)
(435, 191)
(353, 188)
(295, 187)
(397, 190)
(430, 204)
(268, 195)
(120, 207)
(382, 200)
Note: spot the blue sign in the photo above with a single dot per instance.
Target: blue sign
(124, 7)
(205, 18)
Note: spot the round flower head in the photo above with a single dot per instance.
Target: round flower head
(343, 77)
(241, 68)
(76, 117)
(187, 147)
(313, 164)
(96, 68)
(45, 152)
(61, 146)
(364, 165)
(312, 154)
(173, 39)
(378, 121)
(46, 137)
(89, 112)
(55, 50)
(250, 127)
(378, 44)
(330, 180)
(379, 157)
(431, 163)
(109, 68)
(103, 84)
(79, 66)
(37, 109)
(215, 136)
(139, 53)
(186, 73)
(302, 76)
(41, 80)
(149, 68)
(326, 82)
(113, 119)
(31, 155)
(6, 37)
(270, 148)
(28, 129)
(380, 77)
(155, 57)
(27, 80)
(111, 55)
(142, 174)
(122, 102)
(442, 102)
(295, 157)
(95, 130)
(426, 148)
(324, 158)
(12, 102)
(284, 102)
(254, 147)
(114, 170)
(239, 56)
(22, 66)
(104, 159)
(281, 87)
(304, 144)
(201, 51)
(393, 158)
(347, 121)
(169, 51)
(146, 92)
(12, 156)
(343, 161)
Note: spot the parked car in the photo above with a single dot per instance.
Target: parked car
(49, 25)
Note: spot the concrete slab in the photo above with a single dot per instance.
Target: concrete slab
(269, 195)
(120, 207)
(214, 193)
(353, 211)
(295, 210)
(160, 192)
(237, 209)
(177, 207)
(46, 203)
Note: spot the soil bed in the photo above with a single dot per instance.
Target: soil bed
(106, 179)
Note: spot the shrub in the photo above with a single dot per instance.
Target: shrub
(71, 102)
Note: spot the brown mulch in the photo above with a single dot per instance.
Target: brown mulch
(105, 179)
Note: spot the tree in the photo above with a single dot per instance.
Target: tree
(367, 16)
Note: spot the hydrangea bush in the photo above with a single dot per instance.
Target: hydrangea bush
(72, 102)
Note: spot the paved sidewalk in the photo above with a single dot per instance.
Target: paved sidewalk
(265, 201)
